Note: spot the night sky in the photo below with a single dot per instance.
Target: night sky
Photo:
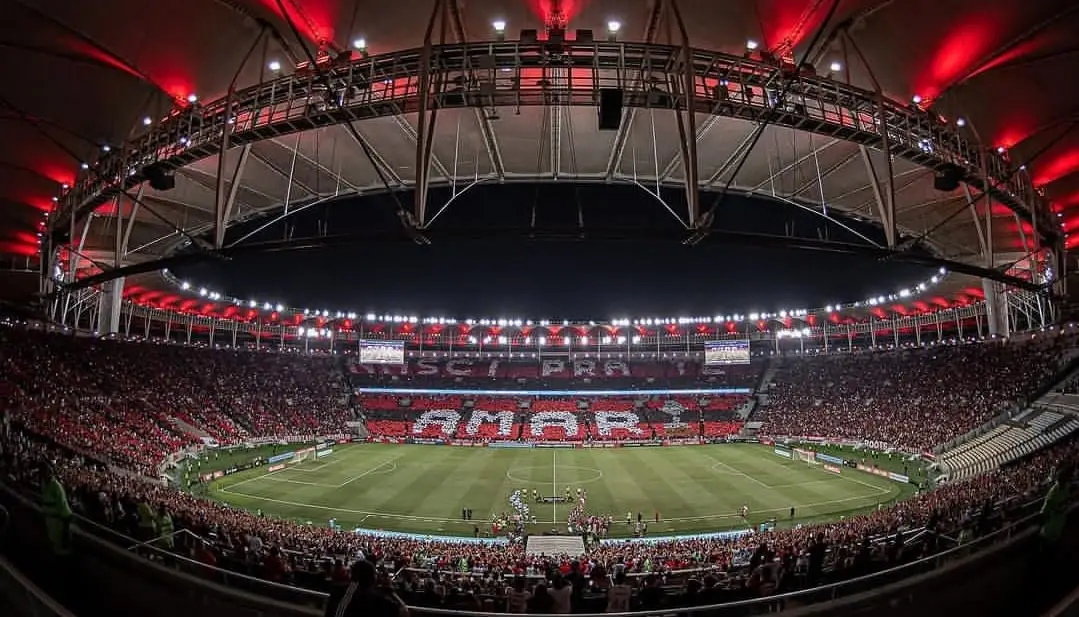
(625, 261)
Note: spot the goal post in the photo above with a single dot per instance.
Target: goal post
(807, 456)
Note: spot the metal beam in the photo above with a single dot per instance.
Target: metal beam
(805, 157)
(386, 169)
(225, 217)
(868, 205)
(887, 214)
(621, 138)
(687, 123)
(282, 173)
(425, 125)
(131, 220)
(977, 221)
(319, 166)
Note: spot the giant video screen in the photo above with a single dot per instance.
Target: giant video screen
(719, 353)
(382, 352)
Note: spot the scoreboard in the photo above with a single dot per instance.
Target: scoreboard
(718, 353)
(382, 352)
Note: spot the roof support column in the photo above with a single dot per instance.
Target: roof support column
(885, 204)
(886, 213)
(428, 103)
(687, 124)
(223, 202)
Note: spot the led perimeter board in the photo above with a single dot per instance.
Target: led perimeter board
(382, 352)
(726, 352)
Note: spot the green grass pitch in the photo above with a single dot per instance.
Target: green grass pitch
(422, 489)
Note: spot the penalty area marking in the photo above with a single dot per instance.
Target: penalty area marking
(377, 471)
(735, 472)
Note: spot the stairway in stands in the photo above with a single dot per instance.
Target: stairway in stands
(1052, 417)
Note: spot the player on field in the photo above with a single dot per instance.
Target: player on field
(745, 511)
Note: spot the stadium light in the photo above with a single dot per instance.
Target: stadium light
(584, 340)
(499, 25)
(752, 45)
(360, 44)
(84, 166)
(960, 122)
(275, 66)
(146, 121)
(542, 340)
(614, 26)
(192, 98)
(636, 339)
(835, 67)
(621, 340)
(203, 292)
(279, 308)
(917, 99)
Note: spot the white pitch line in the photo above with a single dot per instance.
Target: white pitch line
(554, 485)
(740, 473)
(336, 509)
(769, 510)
(266, 477)
(369, 471)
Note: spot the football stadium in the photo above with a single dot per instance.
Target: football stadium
(447, 308)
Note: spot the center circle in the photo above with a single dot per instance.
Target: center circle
(594, 475)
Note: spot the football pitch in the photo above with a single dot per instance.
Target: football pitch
(422, 489)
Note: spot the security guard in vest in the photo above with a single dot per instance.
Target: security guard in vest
(147, 521)
(57, 511)
(165, 530)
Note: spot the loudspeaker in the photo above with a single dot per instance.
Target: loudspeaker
(610, 109)
(160, 178)
(948, 177)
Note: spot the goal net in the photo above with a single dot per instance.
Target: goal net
(806, 455)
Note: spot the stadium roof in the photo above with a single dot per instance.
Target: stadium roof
(83, 79)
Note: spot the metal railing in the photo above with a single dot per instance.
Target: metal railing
(824, 593)
(228, 581)
(514, 74)
(25, 596)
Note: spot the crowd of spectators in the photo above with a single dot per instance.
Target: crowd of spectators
(132, 404)
(81, 401)
(447, 573)
(909, 399)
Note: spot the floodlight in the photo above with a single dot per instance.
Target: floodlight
(835, 67)
(279, 308)
(499, 25)
(360, 44)
(275, 66)
(960, 122)
(84, 165)
(105, 148)
(917, 98)
(147, 121)
(752, 45)
(584, 340)
(614, 26)
(192, 98)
